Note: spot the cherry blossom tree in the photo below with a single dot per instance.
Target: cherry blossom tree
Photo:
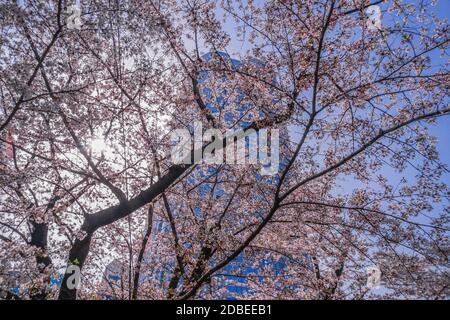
(88, 105)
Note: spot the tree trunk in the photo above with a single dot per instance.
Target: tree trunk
(77, 256)
(80, 248)
(142, 252)
(39, 240)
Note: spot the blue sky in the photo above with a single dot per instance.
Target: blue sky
(441, 129)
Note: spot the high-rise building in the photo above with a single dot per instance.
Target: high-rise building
(233, 280)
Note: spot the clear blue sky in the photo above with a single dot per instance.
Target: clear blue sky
(442, 127)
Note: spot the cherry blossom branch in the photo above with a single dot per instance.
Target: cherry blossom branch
(380, 135)
(36, 68)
